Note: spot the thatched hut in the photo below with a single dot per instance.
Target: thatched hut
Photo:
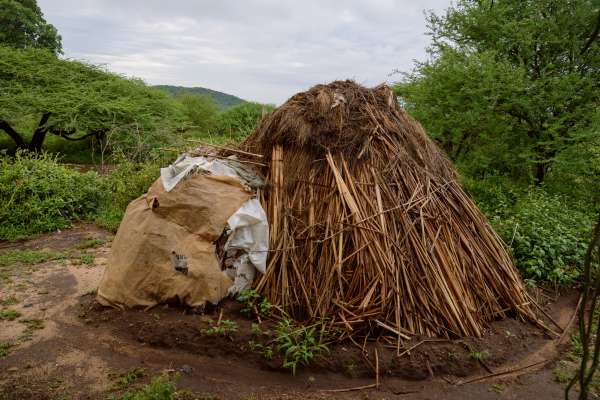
(369, 225)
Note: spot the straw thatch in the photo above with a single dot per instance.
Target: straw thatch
(369, 226)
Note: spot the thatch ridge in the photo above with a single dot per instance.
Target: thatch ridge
(369, 225)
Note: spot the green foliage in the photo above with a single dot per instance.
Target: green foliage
(39, 195)
(128, 378)
(90, 243)
(9, 315)
(254, 303)
(222, 327)
(201, 111)
(160, 388)
(9, 301)
(42, 94)
(5, 348)
(223, 100)
(479, 355)
(127, 182)
(299, 344)
(237, 122)
(575, 172)
(27, 257)
(510, 84)
(547, 236)
(22, 25)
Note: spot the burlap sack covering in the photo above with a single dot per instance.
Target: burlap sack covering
(186, 220)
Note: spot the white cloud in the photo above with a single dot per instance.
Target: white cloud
(264, 50)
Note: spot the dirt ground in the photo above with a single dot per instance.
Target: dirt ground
(64, 345)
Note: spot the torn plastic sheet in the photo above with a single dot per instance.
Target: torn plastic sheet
(248, 225)
(186, 164)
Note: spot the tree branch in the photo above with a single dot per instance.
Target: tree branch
(40, 133)
(593, 36)
(14, 135)
(66, 134)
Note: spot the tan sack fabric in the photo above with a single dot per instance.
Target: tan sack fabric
(161, 230)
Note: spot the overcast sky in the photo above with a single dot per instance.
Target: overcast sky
(262, 50)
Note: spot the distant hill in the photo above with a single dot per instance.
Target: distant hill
(223, 100)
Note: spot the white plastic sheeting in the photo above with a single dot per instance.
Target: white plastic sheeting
(248, 225)
(186, 164)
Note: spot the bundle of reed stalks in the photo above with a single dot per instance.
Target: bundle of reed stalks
(369, 225)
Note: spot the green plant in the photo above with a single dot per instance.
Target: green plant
(479, 355)
(547, 237)
(9, 301)
(350, 369)
(27, 257)
(37, 194)
(254, 303)
(223, 327)
(9, 315)
(5, 348)
(267, 352)
(127, 182)
(33, 323)
(299, 344)
(85, 258)
(160, 388)
(498, 387)
(90, 242)
(126, 379)
(238, 121)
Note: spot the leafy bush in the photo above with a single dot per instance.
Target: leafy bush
(576, 170)
(547, 236)
(237, 122)
(223, 327)
(201, 110)
(299, 344)
(127, 182)
(496, 195)
(39, 195)
(161, 388)
(254, 303)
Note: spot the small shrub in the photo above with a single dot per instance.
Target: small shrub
(479, 355)
(547, 236)
(37, 194)
(125, 380)
(9, 315)
(85, 258)
(90, 243)
(127, 182)
(160, 388)
(239, 121)
(5, 348)
(298, 344)
(9, 301)
(223, 327)
(254, 303)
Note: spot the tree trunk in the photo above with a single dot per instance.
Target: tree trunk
(14, 135)
(540, 172)
(40, 134)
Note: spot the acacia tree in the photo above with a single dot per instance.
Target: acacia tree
(200, 110)
(510, 83)
(22, 25)
(41, 94)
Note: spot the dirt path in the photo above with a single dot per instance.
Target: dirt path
(63, 345)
